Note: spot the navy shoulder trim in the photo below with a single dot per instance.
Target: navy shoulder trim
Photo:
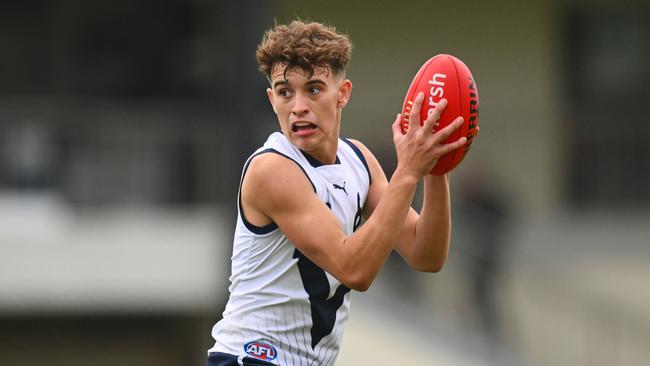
(271, 226)
(356, 150)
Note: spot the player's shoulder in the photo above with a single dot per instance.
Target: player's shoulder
(355, 142)
(271, 164)
(268, 162)
(362, 149)
(274, 173)
(273, 182)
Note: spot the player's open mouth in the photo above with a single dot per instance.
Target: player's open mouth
(303, 127)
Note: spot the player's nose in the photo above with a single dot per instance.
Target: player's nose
(300, 105)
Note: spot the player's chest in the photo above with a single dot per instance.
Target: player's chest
(344, 195)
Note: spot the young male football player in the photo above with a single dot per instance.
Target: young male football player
(299, 245)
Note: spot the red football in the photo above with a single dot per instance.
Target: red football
(445, 76)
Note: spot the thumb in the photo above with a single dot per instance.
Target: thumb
(397, 126)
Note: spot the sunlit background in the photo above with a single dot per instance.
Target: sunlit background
(124, 126)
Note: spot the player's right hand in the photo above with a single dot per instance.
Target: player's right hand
(421, 146)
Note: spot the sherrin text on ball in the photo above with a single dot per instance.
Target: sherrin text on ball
(445, 76)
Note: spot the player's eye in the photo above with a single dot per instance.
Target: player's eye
(314, 90)
(284, 92)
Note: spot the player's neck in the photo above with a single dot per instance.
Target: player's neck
(326, 153)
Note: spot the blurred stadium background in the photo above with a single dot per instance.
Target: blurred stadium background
(124, 125)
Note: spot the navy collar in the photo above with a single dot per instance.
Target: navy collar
(315, 163)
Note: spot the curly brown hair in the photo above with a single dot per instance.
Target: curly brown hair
(304, 45)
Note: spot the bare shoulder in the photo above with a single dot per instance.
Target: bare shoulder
(272, 179)
(276, 189)
(270, 164)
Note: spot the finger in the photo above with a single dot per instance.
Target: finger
(434, 114)
(452, 146)
(398, 132)
(397, 125)
(414, 114)
(449, 129)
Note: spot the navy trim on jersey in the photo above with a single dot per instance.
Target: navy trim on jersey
(356, 150)
(260, 230)
(315, 163)
(226, 359)
(323, 309)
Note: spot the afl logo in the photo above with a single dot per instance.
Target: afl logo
(260, 350)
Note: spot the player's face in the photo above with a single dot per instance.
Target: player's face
(309, 108)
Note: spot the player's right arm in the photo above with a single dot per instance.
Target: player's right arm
(275, 189)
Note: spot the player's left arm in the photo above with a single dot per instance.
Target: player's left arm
(424, 242)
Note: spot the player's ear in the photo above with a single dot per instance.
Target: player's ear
(269, 93)
(344, 93)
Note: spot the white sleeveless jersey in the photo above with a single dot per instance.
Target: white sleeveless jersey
(283, 308)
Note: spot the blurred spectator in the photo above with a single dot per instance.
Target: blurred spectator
(482, 216)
